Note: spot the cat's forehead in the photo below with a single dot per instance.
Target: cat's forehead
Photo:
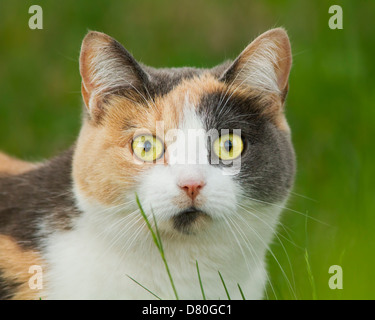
(201, 92)
(170, 107)
(165, 80)
(189, 93)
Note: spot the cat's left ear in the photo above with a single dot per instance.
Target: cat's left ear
(263, 65)
(106, 68)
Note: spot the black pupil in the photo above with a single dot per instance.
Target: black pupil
(147, 146)
(228, 145)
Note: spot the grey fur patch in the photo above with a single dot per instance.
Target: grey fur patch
(164, 80)
(39, 197)
(267, 161)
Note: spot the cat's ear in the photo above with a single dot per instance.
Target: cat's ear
(106, 67)
(264, 64)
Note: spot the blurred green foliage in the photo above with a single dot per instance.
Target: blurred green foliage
(331, 108)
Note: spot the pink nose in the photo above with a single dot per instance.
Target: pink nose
(192, 188)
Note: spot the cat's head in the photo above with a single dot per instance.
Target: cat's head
(196, 145)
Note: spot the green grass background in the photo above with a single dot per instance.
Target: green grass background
(331, 107)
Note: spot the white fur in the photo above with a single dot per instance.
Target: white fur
(259, 69)
(108, 244)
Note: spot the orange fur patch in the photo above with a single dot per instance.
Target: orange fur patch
(12, 166)
(14, 265)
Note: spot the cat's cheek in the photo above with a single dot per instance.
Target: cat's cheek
(104, 172)
(220, 196)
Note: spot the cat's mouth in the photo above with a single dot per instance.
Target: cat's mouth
(188, 221)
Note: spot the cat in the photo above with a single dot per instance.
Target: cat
(75, 218)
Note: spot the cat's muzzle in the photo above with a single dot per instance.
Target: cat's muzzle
(190, 220)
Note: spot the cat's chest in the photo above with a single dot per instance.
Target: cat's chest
(84, 266)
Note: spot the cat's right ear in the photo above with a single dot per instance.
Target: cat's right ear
(106, 68)
(263, 65)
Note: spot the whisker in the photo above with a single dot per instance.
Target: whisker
(256, 260)
(302, 196)
(128, 226)
(268, 248)
(285, 208)
(277, 261)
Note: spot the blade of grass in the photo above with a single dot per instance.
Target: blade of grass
(157, 240)
(200, 281)
(144, 287)
(311, 276)
(225, 287)
(158, 234)
(242, 295)
(161, 250)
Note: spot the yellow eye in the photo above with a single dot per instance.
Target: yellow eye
(147, 148)
(228, 146)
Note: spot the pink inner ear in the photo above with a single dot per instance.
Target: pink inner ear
(85, 96)
(106, 67)
(284, 62)
(90, 49)
(266, 62)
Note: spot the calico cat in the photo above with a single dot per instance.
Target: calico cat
(74, 221)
